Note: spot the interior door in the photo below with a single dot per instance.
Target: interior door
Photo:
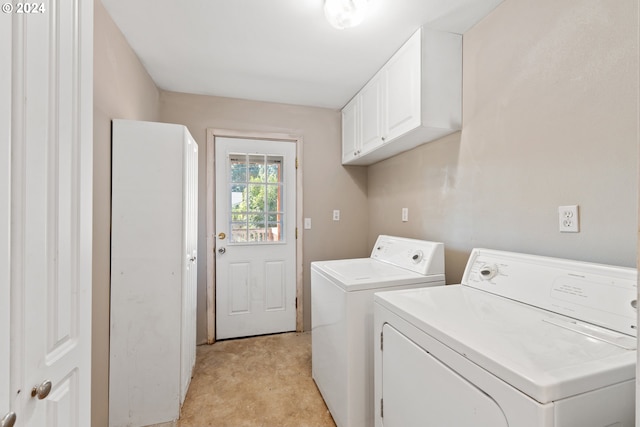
(419, 390)
(5, 211)
(46, 191)
(255, 237)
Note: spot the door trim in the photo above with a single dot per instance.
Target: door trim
(212, 134)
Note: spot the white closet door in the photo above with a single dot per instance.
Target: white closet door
(5, 212)
(189, 298)
(51, 213)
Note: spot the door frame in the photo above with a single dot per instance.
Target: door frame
(212, 134)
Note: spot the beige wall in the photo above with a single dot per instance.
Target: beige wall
(550, 118)
(326, 184)
(122, 89)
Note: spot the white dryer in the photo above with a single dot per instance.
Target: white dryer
(342, 318)
(524, 341)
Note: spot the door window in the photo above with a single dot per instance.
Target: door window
(257, 201)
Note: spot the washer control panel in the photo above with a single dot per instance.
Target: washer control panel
(421, 256)
(600, 294)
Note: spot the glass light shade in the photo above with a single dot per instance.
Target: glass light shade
(345, 13)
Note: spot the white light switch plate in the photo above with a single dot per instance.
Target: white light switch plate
(405, 214)
(307, 223)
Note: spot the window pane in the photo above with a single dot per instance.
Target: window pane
(274, 169)
(274, 198)
(236, 217)
(256, 197)
(239, 232)
(238, 198)
(257, 234)
(238, 167)
(256, 168)
(275, 228)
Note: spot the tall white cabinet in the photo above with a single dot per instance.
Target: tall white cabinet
(153, 271)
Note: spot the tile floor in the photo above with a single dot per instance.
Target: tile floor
(255, 382)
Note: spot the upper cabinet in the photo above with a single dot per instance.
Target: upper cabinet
(415, 98)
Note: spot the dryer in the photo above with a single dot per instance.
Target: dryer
(342, 318)
(523, 341)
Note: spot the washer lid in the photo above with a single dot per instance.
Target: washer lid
(525, 346)
(367, 273)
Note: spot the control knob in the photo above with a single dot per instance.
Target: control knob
(488, 271)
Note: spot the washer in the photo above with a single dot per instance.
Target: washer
(524, 341)
(342, 318)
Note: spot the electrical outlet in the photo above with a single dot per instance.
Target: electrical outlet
(336, 215)
(569, 220)
(405, 214)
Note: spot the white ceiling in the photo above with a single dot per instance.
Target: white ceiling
(276, 50)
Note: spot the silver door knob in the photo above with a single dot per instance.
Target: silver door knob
(42, 390)
(8, 420)
(222, 250)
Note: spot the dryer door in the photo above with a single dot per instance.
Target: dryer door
(419, 390)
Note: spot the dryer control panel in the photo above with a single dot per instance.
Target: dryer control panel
(599, 294)
(421, 256)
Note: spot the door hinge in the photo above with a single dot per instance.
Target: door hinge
(381, 342)
(381, 408)
(296, 303)
(296, 163)
(296, 232)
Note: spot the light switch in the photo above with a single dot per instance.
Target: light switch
(405, 214)
(307, 223)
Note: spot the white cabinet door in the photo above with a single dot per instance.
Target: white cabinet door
(371, 110)
(415, 98)
(50, 203)
(402, 89)
(350, 132)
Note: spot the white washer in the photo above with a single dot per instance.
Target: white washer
(342, 318)
(524, 341)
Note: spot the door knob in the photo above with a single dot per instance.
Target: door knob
(8, 420)
(221, 235)
(42, 390)
(222, 250)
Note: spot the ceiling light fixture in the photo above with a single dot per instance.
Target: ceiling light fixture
(345, 13)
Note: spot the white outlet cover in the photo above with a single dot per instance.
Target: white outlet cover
(336, 215)
(568, 219)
